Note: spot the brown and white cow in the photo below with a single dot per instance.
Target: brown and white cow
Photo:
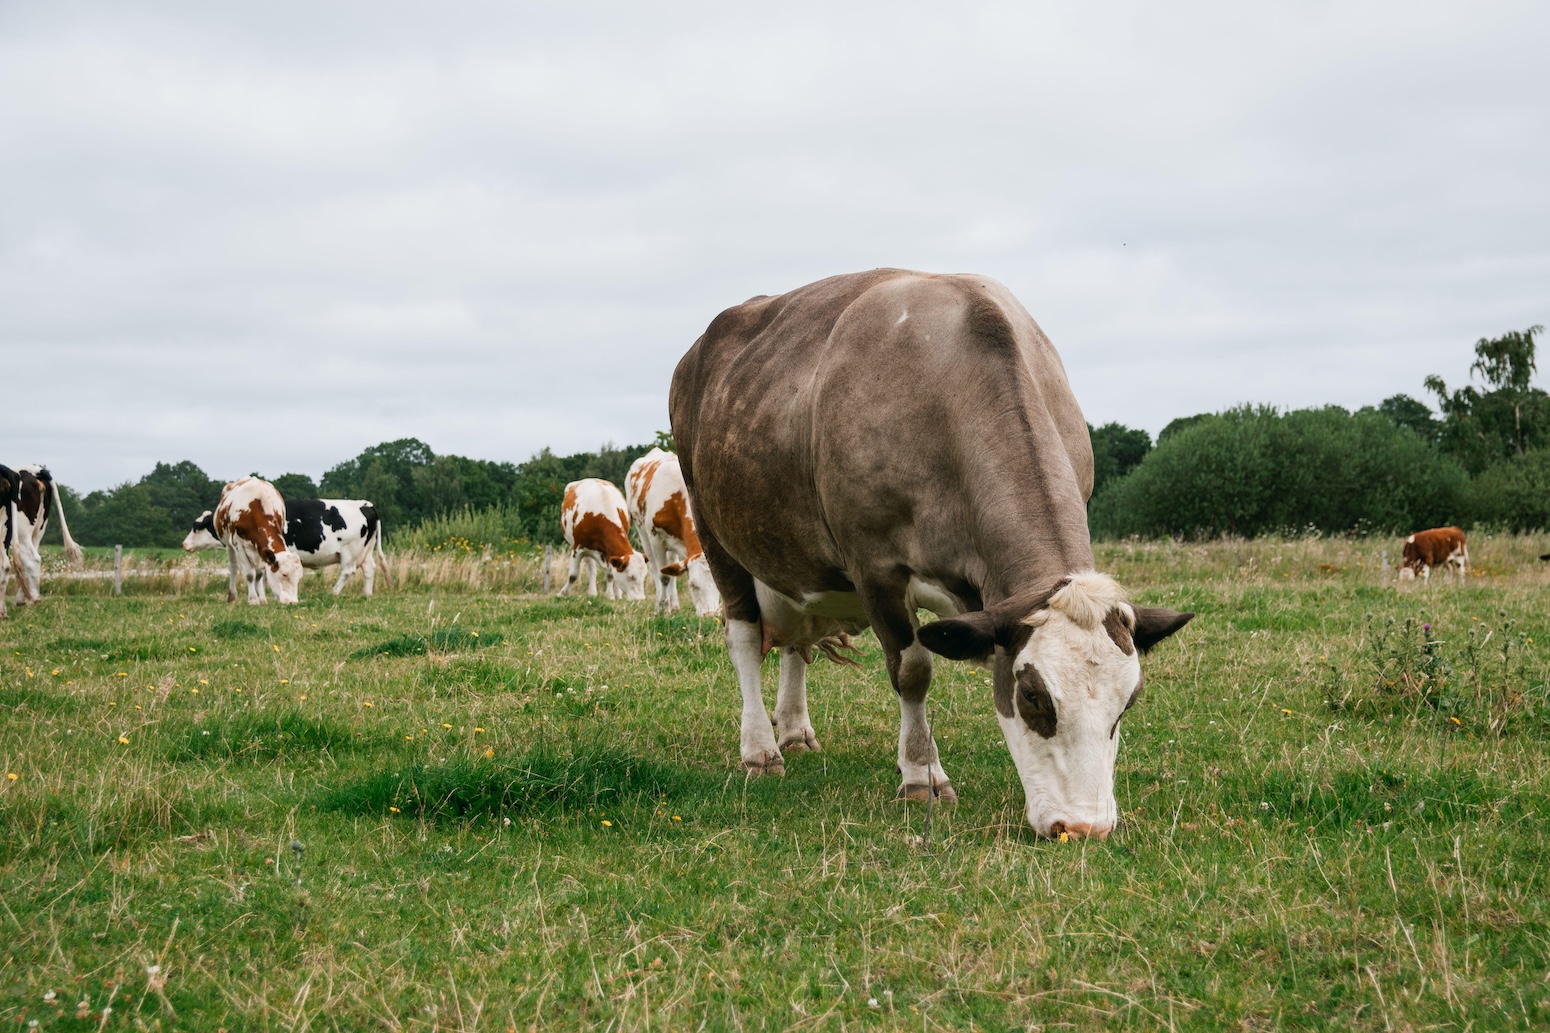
(888, 440)
(37, 499)
(597, 528)
(659, 505)
(250, 522)
(1439, 547)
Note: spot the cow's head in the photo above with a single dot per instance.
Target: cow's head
(702, 587)
(629, 575)
(283, 572)
(1066, 669)
(202, 535)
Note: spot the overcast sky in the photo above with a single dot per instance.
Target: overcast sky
(265, 236)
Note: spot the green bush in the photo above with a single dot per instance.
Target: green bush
(1516, 494)
(1254, 470)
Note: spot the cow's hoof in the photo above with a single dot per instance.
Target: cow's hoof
(921, 792)
(800, 741)
(775, 765)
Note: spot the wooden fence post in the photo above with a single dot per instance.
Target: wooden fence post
(118, 570)
(548, 556)
(1385, 564)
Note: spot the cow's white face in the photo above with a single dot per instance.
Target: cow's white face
(630, 577)
(202, 536)
(702, 588)
(1066, 689)
(285, 582)
(1065, 671)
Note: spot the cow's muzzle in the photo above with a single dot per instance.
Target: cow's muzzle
(1078, 830)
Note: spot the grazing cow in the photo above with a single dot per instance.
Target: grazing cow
(321, 532)
(37, 499)
(250, 522)
(1441, 546)
(880, 442)
(659, 505)
(8, 517)
(597, 527)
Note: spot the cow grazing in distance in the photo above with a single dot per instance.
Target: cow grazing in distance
(659, 505)
(1439, 547)
(37, 499)
(876, 443)
(250, 522)
(322, 532)
(597, 528)
(8, 517)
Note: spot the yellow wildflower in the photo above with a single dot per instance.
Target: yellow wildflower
(608, 823)
(445, 725)
(122, 674)
(206, 681)
(367, 703)
(1065, 837)
(1285, 711)
(393, 809)
(124, 739)
(477, 729)
(285, 681)
(13, 776)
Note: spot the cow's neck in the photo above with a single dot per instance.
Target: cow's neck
(1032, 540)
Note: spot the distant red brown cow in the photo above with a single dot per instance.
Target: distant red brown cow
(1441, 546)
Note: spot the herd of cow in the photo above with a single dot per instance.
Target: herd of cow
(849, 454)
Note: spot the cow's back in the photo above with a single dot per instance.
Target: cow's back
(882, 417)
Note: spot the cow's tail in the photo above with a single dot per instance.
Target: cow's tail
(72, 550)
(387, 575)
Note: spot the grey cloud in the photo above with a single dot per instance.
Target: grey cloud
(497, 227)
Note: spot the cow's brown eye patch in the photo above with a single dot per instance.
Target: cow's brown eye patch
(1134, 695)
(1034, 702)
(1119, 631)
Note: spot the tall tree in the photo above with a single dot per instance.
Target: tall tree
(1508, 417)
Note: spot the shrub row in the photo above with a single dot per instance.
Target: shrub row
(1256, 470)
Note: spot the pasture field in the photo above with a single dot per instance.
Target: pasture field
(516, 812)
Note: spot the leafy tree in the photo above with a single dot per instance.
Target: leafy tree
(1404, 411)
(1174, 426)
(1484, 427)
(295, 486)
(438, 486)
(1515, 495)
(1117, 450)
(1254, 470)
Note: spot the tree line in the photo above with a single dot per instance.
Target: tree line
(1481, 457)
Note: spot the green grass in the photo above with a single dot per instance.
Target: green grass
(1328, 819)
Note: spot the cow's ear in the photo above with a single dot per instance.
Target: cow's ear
(674, 569)
(619, 563)
(1154, 624)
(971, 636)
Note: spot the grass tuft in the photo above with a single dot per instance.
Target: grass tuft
(548, 779)
(253, 735)
(442, 640)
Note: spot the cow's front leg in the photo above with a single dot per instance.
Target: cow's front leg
(796, 730)
(345, 570)
(745, 643)
(920, 767)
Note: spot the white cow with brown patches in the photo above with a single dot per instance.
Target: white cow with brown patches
(659, 505)
(596, 524)
(250, 522)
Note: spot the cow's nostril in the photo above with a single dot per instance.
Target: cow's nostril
(1057, 830)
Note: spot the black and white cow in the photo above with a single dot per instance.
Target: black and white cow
(8, 519)
(321, 532)
(36, 499)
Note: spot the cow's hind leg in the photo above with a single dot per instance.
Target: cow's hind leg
(745, 643)
(796, 729)
(909, 668)
(574, 574)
